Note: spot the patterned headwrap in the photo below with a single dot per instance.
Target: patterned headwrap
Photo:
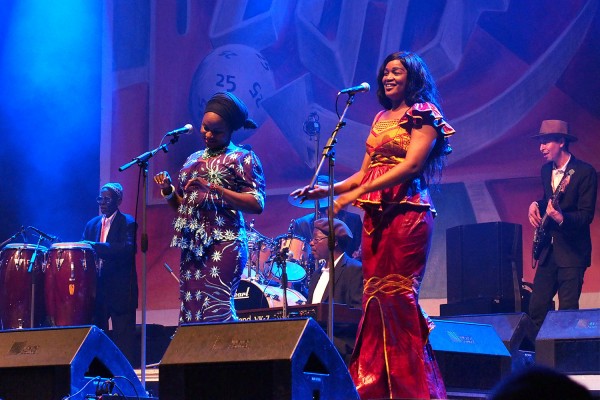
(233, 110)
(116, 188)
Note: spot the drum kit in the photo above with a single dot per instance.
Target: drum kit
(261, 285)
(43, 286)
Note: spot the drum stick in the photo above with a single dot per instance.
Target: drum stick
(172, 273)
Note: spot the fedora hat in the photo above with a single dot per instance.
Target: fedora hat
(555, 127)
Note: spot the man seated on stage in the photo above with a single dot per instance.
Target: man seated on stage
(348, 271)
(348, 286)
(304, 226)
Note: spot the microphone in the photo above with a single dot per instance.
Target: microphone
(44, 235)
(363, 87)
(186, 130)
(311, 126)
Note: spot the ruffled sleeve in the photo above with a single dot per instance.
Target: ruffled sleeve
(428, 114)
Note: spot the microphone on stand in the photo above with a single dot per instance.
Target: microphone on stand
(312, 127)
(186, 130)
(363, 87)
(46, 236)
(291, 228)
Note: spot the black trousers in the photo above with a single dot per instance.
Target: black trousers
(123, 329)
(551, 278)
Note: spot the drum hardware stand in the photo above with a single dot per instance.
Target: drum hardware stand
(142, 161)
(250, 264)
(329, 153)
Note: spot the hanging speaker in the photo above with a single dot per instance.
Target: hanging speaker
(283, 359)
(58, 362)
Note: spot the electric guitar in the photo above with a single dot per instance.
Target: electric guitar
(541, 238)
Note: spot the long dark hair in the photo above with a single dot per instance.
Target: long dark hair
(420, 88)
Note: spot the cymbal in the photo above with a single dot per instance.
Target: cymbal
(306, 203)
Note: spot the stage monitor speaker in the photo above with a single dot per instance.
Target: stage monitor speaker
(569, 341)
(57, 362)
(516, 330)
(279, 359)
(485, 261)
(470, 356)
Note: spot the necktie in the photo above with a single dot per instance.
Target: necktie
(557, 175)
(104, 231)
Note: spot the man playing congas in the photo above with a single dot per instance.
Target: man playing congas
(112, 235)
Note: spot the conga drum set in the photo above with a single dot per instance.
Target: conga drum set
(42, 286)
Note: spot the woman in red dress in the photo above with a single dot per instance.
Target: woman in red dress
(406, 150)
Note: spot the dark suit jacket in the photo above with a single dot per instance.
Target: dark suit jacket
(348, 283)
(117, 283)
(571, 241)
(305, 225)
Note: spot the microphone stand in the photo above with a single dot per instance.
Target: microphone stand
(142, 162)
(281, 260)
(329, 153)
(33, 289)
(13, 237)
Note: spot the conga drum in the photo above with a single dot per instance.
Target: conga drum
(70, 283)
(21, 289)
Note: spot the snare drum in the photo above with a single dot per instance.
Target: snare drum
(70, 283)
(297, 257)
(252, 295)
(18, 286)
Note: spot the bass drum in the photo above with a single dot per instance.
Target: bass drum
(251, 295)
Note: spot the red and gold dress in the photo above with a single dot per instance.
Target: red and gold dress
(392, 357)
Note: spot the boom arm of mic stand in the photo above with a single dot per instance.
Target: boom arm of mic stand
(13, 237)
(144, 157)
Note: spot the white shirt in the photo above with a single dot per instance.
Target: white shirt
(323, 281)
(558, 173)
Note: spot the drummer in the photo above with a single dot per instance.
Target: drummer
(112, 235)
(304, 225)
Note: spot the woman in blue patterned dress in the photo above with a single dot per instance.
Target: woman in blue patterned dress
(215, 186)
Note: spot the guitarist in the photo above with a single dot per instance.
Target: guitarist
(567, 253)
